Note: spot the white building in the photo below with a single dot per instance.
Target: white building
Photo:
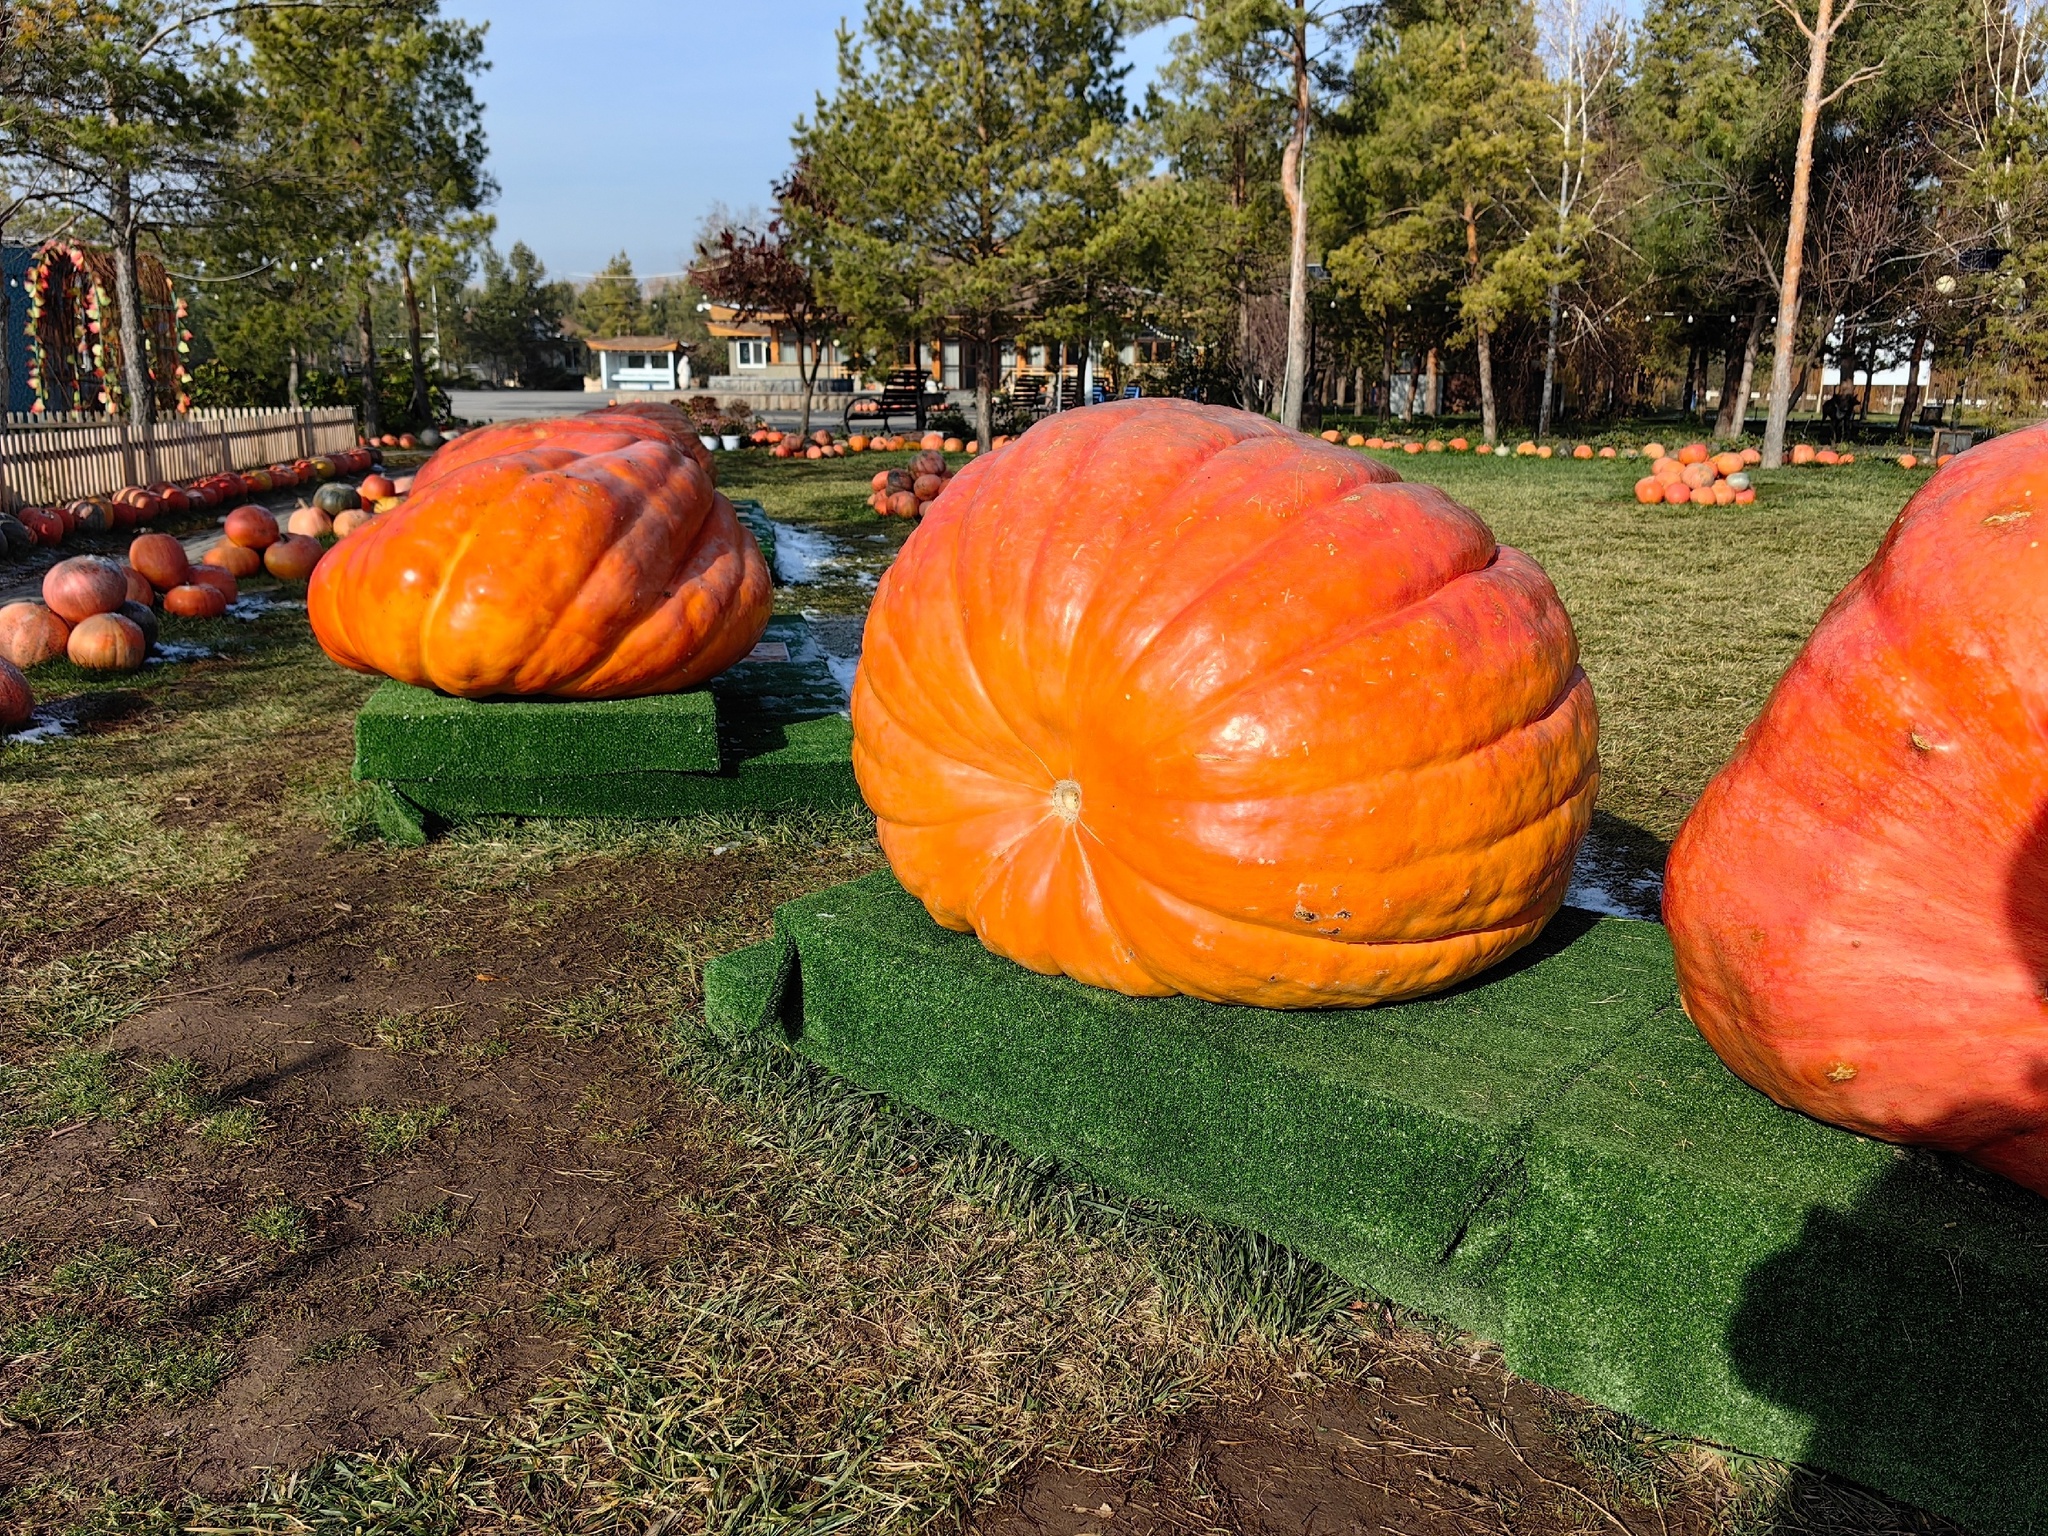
(638, 362)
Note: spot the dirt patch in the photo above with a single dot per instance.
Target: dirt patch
(1429, 1444)
(430, 1105)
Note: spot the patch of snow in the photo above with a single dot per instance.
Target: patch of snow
(46, 727)
(802, 555)
(179, 650)
(843, 669)
(255, 604)
(1606, 882)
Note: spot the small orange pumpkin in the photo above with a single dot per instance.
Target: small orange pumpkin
(17, 701)
(84, 585)
(31, 634)
(195, 600)
(235, 559)
(107, 642)
(292, 558)
(251, 528)
(161, 559)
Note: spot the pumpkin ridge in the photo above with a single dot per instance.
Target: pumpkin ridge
(601, 659)
(1226, 576)
(1363, 629)
(1233, 576)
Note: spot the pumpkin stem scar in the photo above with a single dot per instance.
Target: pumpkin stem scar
(1066, 801)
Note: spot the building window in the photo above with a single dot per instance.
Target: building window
(1154, 349)
(751, 354)
(636, 359)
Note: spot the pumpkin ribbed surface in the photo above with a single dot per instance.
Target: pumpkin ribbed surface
(1169, 699)
(1859, 902)
(552, 572)
(592, 432)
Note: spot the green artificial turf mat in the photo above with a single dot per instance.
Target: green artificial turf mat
(766, 734)
(404, 732)
(1373, 1141)
(1689, 1252)
(1549, 1157)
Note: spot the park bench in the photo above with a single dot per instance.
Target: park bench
(903, 394)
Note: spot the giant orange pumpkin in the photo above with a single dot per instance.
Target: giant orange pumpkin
(1859, 902)
(1170, 699)
(553, 572)
(593, 432)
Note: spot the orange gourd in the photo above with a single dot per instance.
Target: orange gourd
(84, 585)
(1169, 699)
(221, 581)
(1859, 902)
(195, 601)
(31, 634)
(17, 701)
(107, 642)
(161, 559)
(251, 528)
(293, 557)
(233, 558)
(553, 572)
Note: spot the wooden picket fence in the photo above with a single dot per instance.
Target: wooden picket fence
(50, 459)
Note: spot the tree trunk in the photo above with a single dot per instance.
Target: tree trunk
(808, 372)
(6, 330)
(984, 396)
(1248, 378)
(372, 424)
(291, 379)
(1489, 416)
(1795, 236)
(1912, 401)
(1432, 388)
(421, 408)
(1735, 403)
(1387, 365)
(1549, 365)
(1294, 188)
(1358, 392)
(1414, 380)
(137, 398)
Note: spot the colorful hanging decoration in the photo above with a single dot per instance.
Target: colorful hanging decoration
(74, 332)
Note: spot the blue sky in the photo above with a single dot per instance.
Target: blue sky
(616, 124)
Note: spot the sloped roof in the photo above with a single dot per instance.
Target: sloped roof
(632, 343)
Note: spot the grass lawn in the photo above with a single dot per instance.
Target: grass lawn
(355, 1188)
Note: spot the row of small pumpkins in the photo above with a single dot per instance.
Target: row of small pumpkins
(823, 445)
(908, 491)
(138, 506)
